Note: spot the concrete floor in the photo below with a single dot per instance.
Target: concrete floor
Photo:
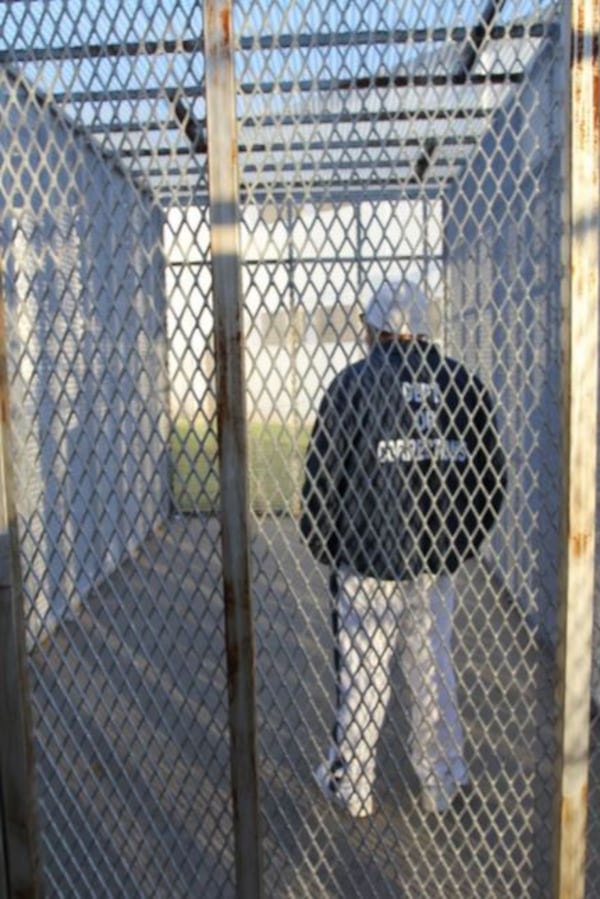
(130, 701)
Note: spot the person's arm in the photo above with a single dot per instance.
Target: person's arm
(323, 480)
(490, 462)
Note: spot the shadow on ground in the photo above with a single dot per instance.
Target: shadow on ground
(130, 700)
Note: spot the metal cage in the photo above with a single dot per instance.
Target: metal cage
(197, 204)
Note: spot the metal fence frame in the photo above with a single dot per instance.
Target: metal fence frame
(580, 398)
(19, 874)
(227, 285)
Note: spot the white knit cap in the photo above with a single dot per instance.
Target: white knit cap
(399, 307)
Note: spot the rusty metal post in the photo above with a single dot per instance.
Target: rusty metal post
(227, 292)
(19, 851)
(580, 359)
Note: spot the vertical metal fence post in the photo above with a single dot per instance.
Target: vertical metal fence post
(19, 855)
(227, 290)
(582, 292)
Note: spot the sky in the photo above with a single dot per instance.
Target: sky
(43, 24)
(76, 22)
(365, 46)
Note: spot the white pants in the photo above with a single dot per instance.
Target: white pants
(370, 616)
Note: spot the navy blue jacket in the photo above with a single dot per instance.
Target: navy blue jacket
(404, 470)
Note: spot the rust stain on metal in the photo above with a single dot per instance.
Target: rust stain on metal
(573, 809)
(580, 543)
(573, 813)
(4, 406)
(596, 101)
(572, 861)
(586, 58)
(585, 44)
(225, 17)
(221, 14)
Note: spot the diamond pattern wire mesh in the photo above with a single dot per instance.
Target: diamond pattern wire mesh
(124, 608)
(376, 140)
(390, 151)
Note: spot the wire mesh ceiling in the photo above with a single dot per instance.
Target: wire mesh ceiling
(132, 77)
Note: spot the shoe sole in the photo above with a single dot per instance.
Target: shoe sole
(360, 809)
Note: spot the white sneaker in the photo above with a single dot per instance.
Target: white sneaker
(334, 785)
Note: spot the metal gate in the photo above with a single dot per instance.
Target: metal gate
(197, 205)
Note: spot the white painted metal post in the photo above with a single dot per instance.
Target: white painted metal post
(227, 292)
(580, 359)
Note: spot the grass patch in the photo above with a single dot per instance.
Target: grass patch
(275, 464)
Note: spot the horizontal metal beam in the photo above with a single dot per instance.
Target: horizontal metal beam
(394, 36)
(165, 93)
(248, 170)
(468, 56)
(429, 114)
(299, 147)
(294, 121)
(325, 40)
(321, 191)
(371, 82)
(305, 86)
(125, 49)
(305, 259)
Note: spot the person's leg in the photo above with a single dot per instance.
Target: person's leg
(437, 739)
(366, 637)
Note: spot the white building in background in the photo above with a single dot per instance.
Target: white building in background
(308, 271)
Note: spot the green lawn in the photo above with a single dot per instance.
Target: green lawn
(275, 462)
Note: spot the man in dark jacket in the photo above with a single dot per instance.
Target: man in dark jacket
(405, 476)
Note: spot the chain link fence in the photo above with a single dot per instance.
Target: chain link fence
(376, 142)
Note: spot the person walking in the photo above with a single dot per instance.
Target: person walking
(404, 478)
